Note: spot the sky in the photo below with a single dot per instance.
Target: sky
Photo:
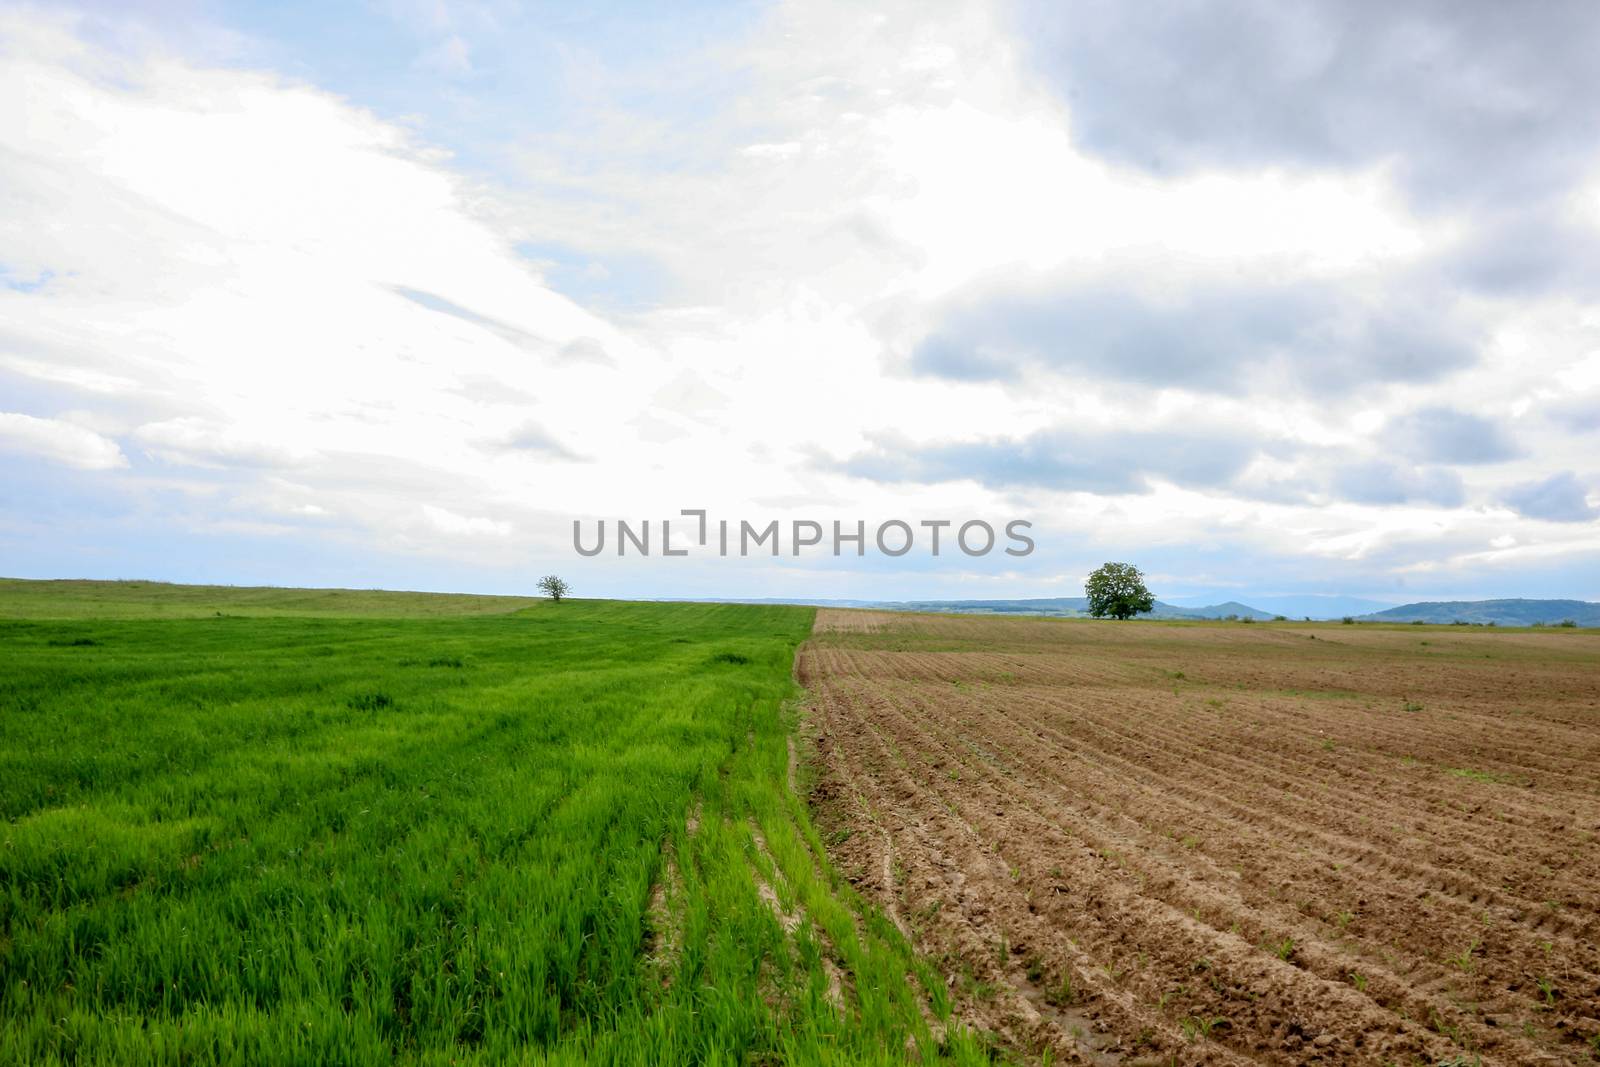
(1272, 299)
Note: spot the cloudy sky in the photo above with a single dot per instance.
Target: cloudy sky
(1269, 298)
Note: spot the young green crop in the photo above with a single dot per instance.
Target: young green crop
(432, 838)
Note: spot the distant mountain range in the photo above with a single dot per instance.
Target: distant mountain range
(1314, 605)
(1068, 606)
(1498, 612)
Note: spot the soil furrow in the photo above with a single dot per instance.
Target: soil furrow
(1205, 844)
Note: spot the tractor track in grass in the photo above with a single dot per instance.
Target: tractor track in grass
(1143, 843)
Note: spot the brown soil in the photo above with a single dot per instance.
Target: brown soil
(1145, 842)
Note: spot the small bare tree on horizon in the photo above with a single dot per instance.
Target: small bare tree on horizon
(554, 588)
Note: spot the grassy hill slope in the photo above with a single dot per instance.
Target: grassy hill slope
(22, 598)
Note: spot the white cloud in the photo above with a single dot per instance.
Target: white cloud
(59, 442)
(201, 443)
(226, 253)
(245, 274)
(448, 522)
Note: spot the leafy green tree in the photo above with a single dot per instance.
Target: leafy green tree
(1118, 590)
(553, 587)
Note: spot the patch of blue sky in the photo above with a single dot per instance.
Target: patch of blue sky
(478, 79)
(614, 281)
(22, 281)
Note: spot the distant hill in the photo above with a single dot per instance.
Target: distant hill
(1214, 611)
(1316, 605)
(1069, 606)
(1065, 606)
(1500, 612)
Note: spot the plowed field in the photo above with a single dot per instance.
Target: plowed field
(1218, 843)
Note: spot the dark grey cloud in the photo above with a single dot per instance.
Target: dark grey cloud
(1115, 463)
(1525, 249)
(1579, 414)
(1472, 99)
(1215, 337)
(1480, 106)
(1062, 460)
(1485, 112)
(531, 437)
(1558, 498)
(1382, 482)
(1440, 435)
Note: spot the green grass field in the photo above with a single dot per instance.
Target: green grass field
(314, 827)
